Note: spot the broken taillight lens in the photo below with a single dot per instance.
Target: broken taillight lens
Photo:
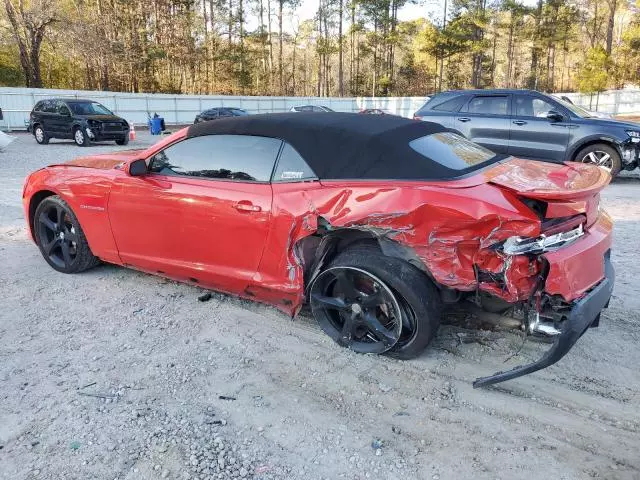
(523, 245)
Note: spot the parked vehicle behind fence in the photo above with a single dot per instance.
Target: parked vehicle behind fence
(310, 108)
(84, 121)
(219, 112)
(532, 125)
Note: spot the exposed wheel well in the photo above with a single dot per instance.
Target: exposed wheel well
(574, 155)
(36, 199)
(318, 250)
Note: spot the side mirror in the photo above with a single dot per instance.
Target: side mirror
(555, 116)
(138, 168)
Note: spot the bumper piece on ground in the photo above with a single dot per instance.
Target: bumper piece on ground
(585, 313)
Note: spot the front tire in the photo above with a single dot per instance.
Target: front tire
(603, 156)
(40, 135)
(390, 307)
(80, 137)
(123, 141)
(60, 237)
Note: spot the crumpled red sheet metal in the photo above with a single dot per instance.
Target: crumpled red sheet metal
(450, 230)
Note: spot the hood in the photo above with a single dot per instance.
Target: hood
(610, 122)
(105, 161)
(102, 118)
(549, 181)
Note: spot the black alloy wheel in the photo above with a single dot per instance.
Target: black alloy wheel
(60, 237)
(57, 236)
(356, 309)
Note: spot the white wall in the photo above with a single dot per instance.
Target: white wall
(16, 103)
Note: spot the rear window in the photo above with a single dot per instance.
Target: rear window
(452, 150)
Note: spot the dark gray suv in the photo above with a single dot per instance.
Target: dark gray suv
(530, 124)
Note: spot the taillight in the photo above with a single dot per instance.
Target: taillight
(416, 117)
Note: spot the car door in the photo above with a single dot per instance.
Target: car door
(484, 119)
(48, 117)
(533, 135)
(202, 212)
(63, 120)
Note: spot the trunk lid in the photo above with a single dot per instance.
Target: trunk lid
(549, 181)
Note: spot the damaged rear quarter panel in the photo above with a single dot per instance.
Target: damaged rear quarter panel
(451, 229)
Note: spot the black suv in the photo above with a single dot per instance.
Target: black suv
(219, 112)
(83, 121)
(530, 124)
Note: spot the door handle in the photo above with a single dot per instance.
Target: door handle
(246, 206)
(464, 119)
(519, 122)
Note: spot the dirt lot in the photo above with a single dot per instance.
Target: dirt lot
(113, 374)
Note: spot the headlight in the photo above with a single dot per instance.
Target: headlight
(634, 134)
(522, 245)
(93, 123)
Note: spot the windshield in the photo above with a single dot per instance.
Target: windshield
(575, 109)
(89, 108)
(452, 150)
(238, 112)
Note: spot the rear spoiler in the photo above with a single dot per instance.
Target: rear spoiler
(549, 181)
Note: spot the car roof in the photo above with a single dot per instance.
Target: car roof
(490, 91)
(342, 145)
(67, 100)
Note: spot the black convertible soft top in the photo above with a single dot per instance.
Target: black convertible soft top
(344, 145)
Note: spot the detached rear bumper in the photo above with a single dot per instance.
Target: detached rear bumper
(585, 313)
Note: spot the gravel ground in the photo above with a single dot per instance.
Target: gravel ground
(113, 374)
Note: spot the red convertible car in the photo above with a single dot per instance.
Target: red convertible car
(375, 221)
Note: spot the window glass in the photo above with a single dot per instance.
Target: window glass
(62, 109)
(229, 157)
(451, 150)
(292, 167)
(450, 105)
(488, 105)
(238, 112)
(38, 107)
(527, 106)
(48, 106)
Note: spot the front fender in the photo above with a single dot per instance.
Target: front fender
(87, 193)
(608, 139)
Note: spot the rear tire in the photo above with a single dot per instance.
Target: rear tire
(602, 155)
(60, 237)
(413, 291)
(39, 134)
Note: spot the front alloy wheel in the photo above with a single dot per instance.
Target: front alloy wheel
(80, 137)
(603, 156)
(356, 309)
(60, 237)
(600, 159)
